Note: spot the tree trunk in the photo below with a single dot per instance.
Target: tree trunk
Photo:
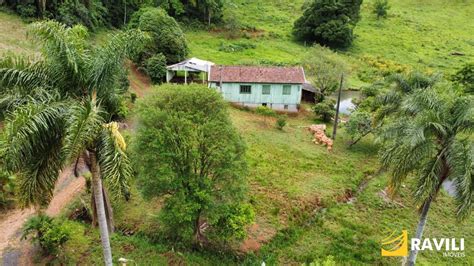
(336, 119)
(198, 237)
(419, 230)
(99, 204)
(108, 211)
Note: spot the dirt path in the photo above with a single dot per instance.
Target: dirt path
(13, 250)
(139, 82)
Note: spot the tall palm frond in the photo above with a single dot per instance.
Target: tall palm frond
(24, 72)
(11, 99)
(61, 43)
(33, 137)
(114, 163)
(83, 126)
(461, 159)
(463, 114)
(105, 61)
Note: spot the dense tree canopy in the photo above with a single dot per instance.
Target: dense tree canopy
(167, 36)
(328, 22)
(203, 10)
(187, 149)
(97, 13)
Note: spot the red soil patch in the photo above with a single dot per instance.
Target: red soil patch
(139, 82)
(257, 236)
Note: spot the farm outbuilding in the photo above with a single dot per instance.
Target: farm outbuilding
(279, 88)
(194, 70)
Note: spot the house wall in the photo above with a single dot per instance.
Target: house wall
(275, 100)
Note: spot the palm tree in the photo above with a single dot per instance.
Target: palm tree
(61, 107)
(430, 138)
(402, 85)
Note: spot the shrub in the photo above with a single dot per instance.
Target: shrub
(133, 97)
(328, 22)
(281, 122)
(465, 77)
(7, 187)
(26, 9)
(167, 36)
(155, 67)
(265, 111)
(325, 110)
(48, 233)
(381, 8)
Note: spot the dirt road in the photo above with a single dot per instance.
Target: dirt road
(13, 250)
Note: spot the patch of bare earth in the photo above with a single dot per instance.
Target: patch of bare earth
(139, 82)
(13, 249)
(258, 234)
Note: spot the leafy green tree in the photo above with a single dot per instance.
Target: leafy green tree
(188, 151)
(429, 139)
(324, 69)
(203, 10)
(61, 107)
(328, 22)
(88, 13)
(325, 110)
(465, 78)
(167, 36)
(381, 8)
(359, 126)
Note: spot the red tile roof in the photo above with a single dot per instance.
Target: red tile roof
(257, 74)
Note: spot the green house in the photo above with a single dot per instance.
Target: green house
(279, 88)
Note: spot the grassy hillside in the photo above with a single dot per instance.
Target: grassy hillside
(416, 35)
(310, 204)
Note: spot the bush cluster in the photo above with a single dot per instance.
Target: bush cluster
(47, 232)
(325, 110)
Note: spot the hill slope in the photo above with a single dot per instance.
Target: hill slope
(310, 204)
(416, 35)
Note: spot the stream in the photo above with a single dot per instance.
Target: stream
(346, 105)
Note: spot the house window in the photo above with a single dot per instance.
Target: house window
(245, 89)
(265, 89)
(286, 89)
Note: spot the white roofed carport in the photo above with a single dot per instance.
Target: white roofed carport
(189, 65)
